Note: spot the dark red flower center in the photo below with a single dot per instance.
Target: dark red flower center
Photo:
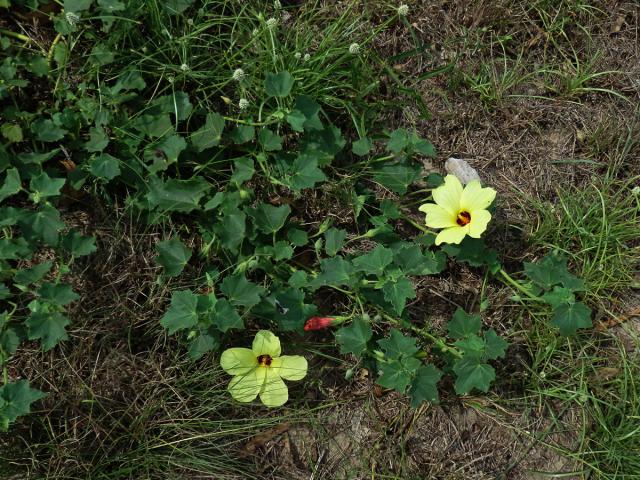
(264, 360)
(463, 218)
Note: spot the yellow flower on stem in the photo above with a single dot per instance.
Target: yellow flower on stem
(260, 370)
(459, 211)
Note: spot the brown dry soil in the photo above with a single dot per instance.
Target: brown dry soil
(519, 134)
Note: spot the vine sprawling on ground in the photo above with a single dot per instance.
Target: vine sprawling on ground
(236, 172)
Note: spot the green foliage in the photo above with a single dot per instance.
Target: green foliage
(551, 276)
(15, 401)
(172, 256)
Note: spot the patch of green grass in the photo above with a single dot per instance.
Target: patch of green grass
(179, 426)
(597, 227)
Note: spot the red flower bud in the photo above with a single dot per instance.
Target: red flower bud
(318, 323)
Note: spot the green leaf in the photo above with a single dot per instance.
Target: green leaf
(495, 346)
(105, 166)
(98, 140)
(424, 387)
(77, 5)
(42, 187)
(14, 248)
(240, 291)
(129, 80)
(354, 337)
(397, 374)
(15, 401)
(552, 270)
(374, 262)
(571, 317)
(11, 185)
(361, 147)
(173, 256)
(269, 219)
(413, 262)
(242, 134)
(296, 119)
(304, 174)
(210, 134)
(333, 271)
(48, 327)
(226, 316)
(398, 292)
(176, 7)
(231, 230)
(11, 132)
(177, 104)
(9, 342)
(463, 324)
(243, 170)
(202, 344)
(47, 131)
(396, 178)
(472, 373)
(559, 296)
(278, 84)
(101, 54)
(177, 195)
(154, 126)
(165, 153)
(57, 293)
(77, 244)
(182, 313)
(398, 345)
(398, 140)
(298, 238)
(43, 224)
(474, 252)
(287, 308)
(334, 240)
(282, 251)
(34, 274)
(269, 140)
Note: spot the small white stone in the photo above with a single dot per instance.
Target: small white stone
(461, 169)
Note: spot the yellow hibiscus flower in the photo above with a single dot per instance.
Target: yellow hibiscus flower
(260, 370)
(459, 211)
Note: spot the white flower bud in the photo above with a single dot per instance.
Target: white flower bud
(272, 23)
(297, 55)
(277, 5)
(306, 57)
(184, 67)
(72, 18)
(403, 10)
(239, 75)
(243, 104)
(190, 22)
(354, 49)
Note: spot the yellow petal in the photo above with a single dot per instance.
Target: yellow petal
(245, 388)
(274, 391)
(474, 197)
(479, 221)
(437, 217)
(452, 234)
(290, 367)
(238, 361)
(266, 343)
(448, 195)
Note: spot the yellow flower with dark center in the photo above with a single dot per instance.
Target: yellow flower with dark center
(459, 211)
(261, 369)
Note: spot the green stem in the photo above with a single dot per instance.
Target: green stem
(18, 36)
(505, 276)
